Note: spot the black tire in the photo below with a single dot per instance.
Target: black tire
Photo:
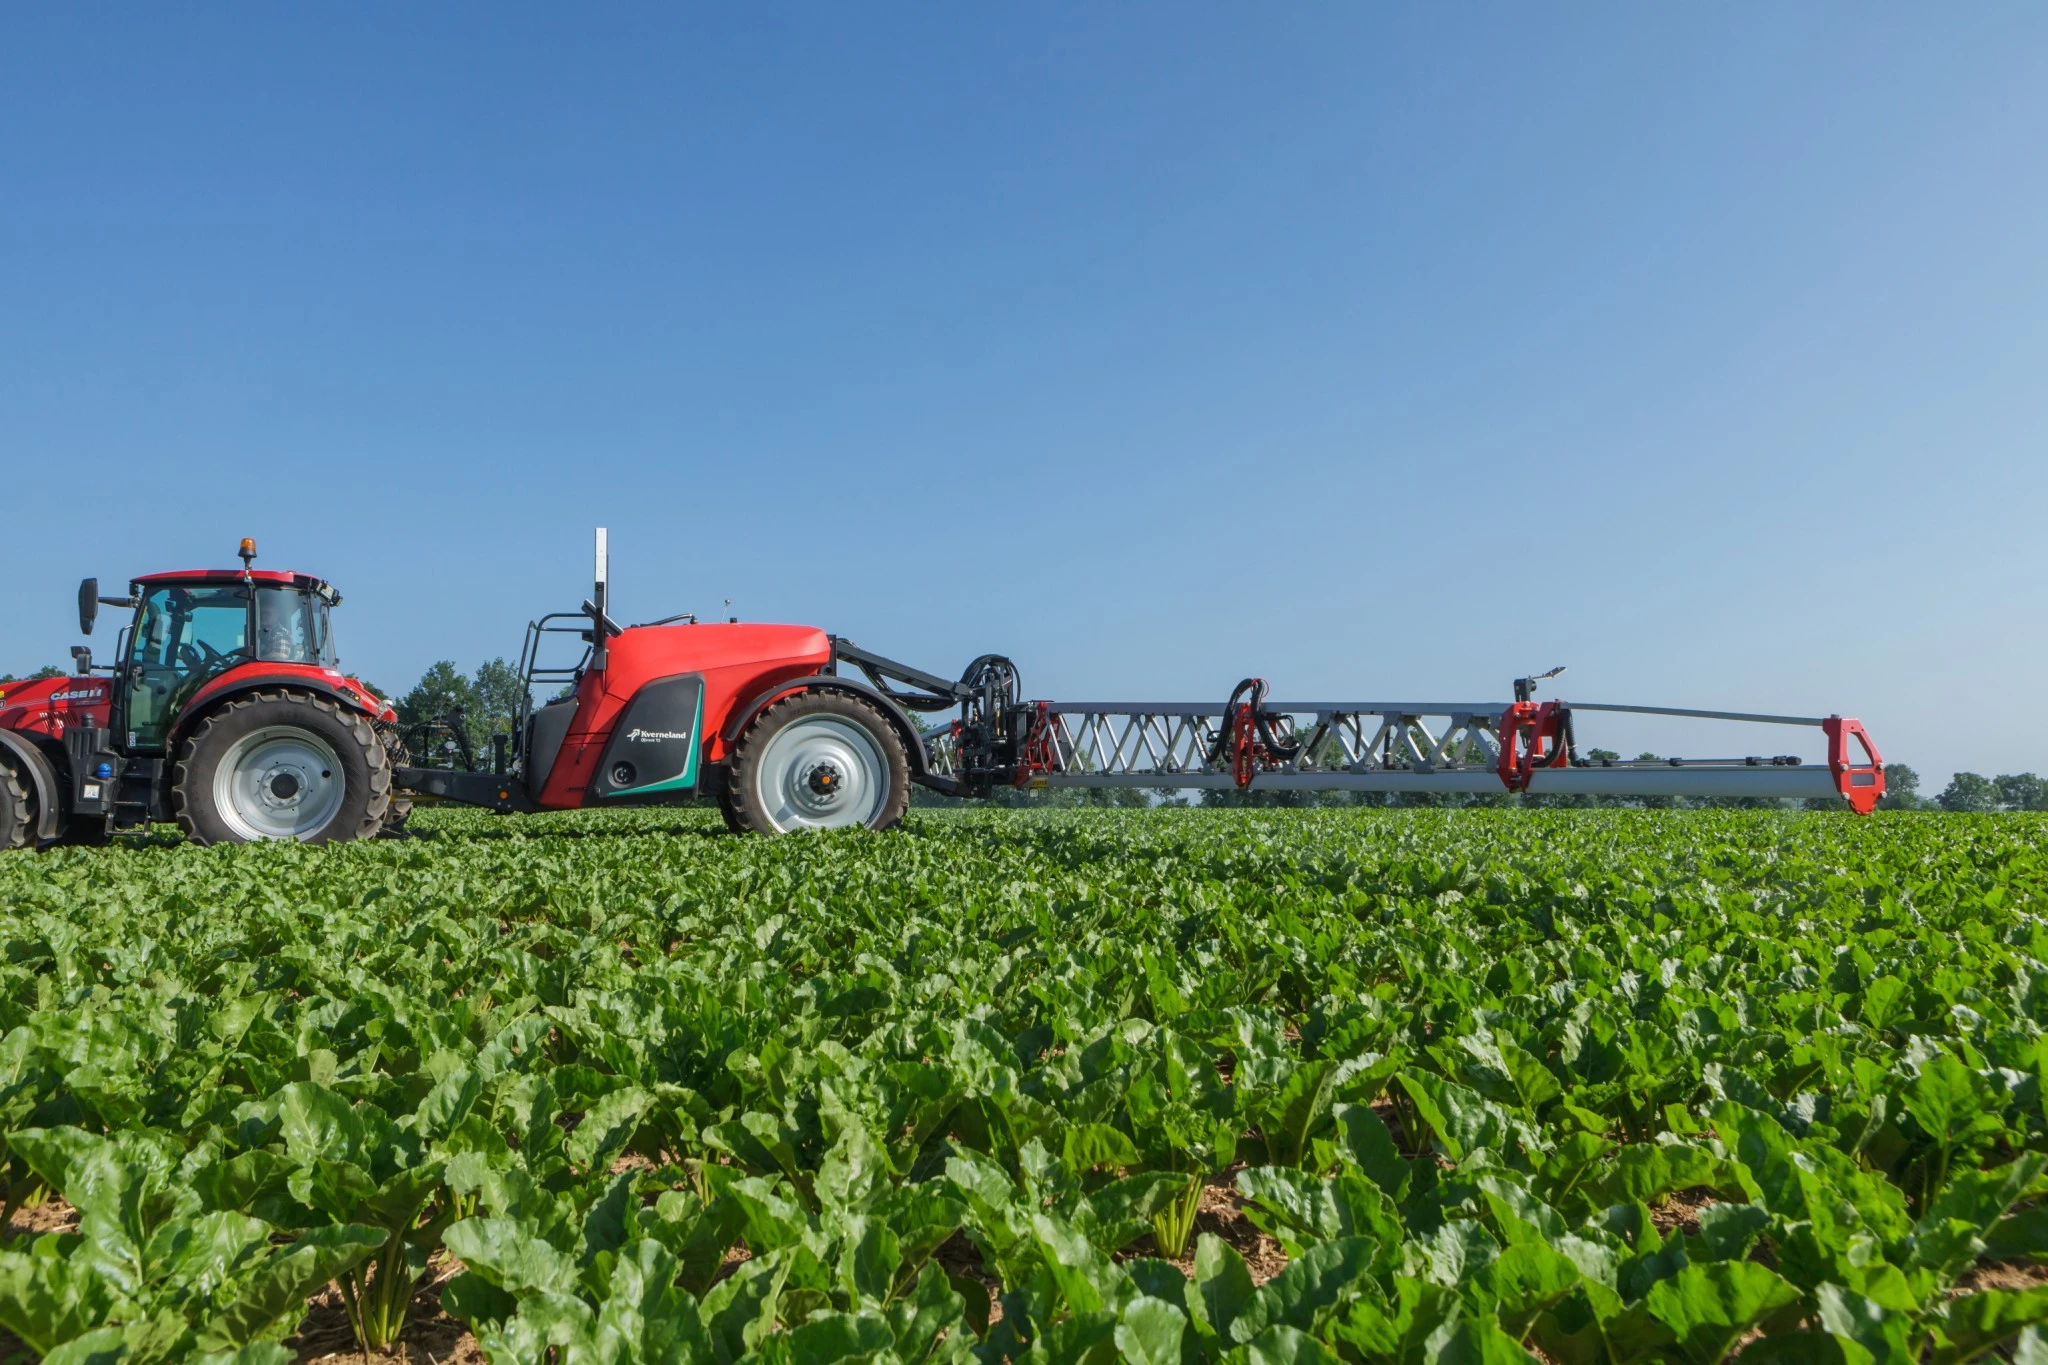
(363, 767)
(17, 815)
(732, 817)
(400, 809)
(744, 804)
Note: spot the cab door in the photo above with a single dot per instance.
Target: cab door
(182, 637)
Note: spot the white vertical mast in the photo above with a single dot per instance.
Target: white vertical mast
(602, 575)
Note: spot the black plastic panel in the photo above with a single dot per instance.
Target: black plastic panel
(654, 746)
(545, 730)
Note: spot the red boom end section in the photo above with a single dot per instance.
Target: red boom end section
(1861, 784)
(1531, 737)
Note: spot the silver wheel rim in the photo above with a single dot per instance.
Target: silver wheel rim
(821, 772)
(279, 782)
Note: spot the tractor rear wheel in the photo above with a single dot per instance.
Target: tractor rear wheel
(818, 760)
(282, 765)
(16, 816)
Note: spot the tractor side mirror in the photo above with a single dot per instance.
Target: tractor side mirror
(82, 656)
(90, 602)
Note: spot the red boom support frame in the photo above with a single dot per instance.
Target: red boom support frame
(1532, 736)
(1861, 784)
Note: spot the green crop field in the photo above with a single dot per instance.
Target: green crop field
(1169, 1086)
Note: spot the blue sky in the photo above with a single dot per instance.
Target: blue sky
(1387, 352)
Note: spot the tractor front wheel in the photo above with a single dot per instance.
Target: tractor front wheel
(16, 816)
(817, 760)
(282, 765)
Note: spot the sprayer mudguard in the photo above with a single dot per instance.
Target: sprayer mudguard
(735, 661)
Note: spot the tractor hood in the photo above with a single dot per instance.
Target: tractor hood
(48, 704)
(39, 694)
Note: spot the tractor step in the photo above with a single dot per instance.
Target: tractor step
(136, 800)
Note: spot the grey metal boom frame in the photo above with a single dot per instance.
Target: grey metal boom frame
(1382, 747)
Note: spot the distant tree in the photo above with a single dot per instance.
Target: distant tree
(2018, 791)
(1969, 792)
(1901, 789)
(37, 676)
(440, 690)
(441, 695)
(500, 700)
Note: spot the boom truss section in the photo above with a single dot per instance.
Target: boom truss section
(1402, 747)
(1474, 747)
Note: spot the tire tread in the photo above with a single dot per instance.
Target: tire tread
(17, 819)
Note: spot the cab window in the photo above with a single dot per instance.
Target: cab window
(291, 627)
(192, 630)
(182, 637)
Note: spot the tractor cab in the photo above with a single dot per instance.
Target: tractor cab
(192, 627)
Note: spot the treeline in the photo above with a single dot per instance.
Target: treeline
(1976, 793)
(1966, 792)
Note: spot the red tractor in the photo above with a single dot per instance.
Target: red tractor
(224, 711)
